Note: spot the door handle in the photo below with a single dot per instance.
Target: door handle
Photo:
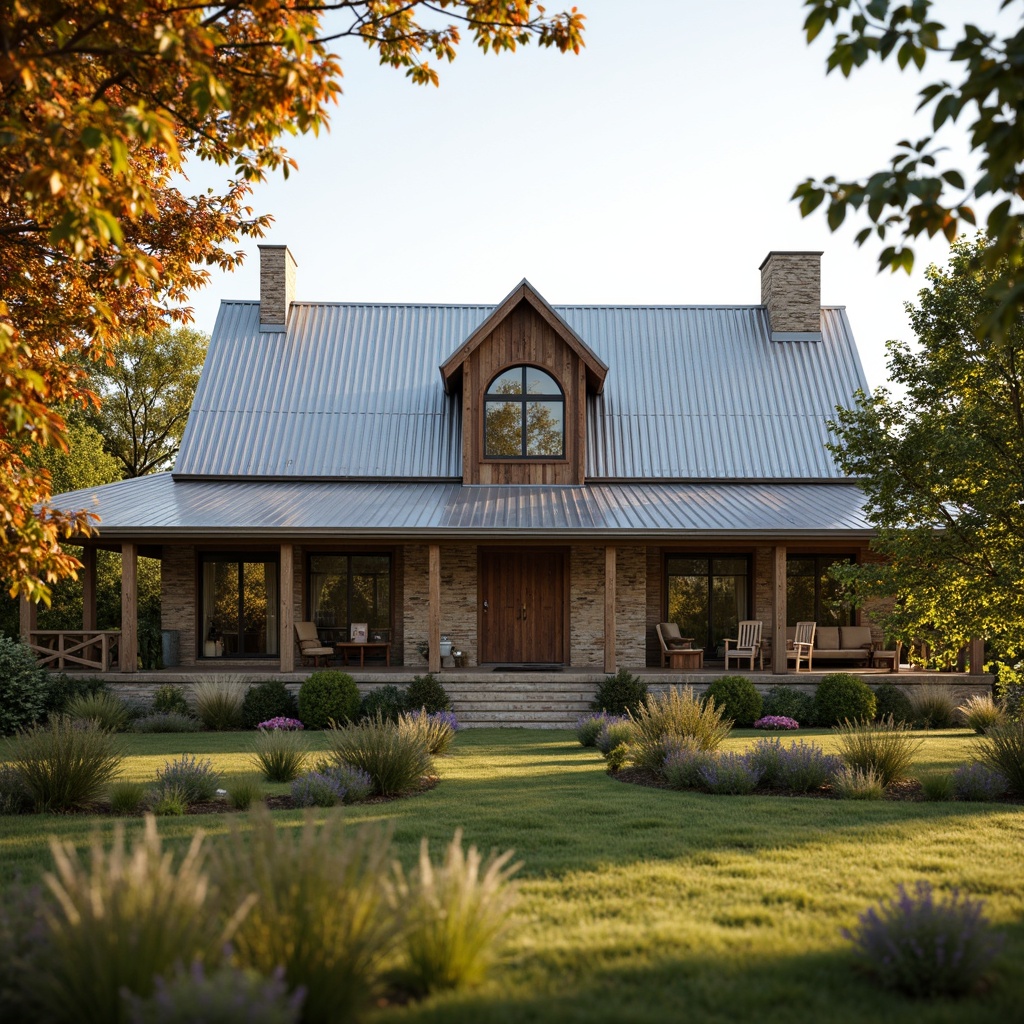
(485, 604)
(524, 613)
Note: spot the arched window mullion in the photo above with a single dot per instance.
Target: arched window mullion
(517, 419)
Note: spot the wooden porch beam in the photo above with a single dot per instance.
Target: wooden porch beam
(780, 665)
(88, 588)
(286, 614)
(434, 607)
(28, 614)
(976, 656)
(129, 649)
(609, 608)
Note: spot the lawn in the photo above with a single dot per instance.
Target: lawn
(651, 905)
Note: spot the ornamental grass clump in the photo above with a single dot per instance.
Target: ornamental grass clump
(169, 802)
(923, 946)
(395, 759)
(14, 796)
(195, 778)
(218, 703)
(933, 707)
(980, 713)
(683, 762)
(937, 787)
(279, 754)
(65, 765)
(121, 920)
(454, 916)
(977, 783)
(166, 721)
(1002, 750)
(730, 774)
(777, 723)
(126, 797)
(105, 709)
(589, 726)
(806, 767)
(437, 730)
(887, 748)
(244, 792)
(321, 908)
(615, 732)
(857, 784)
(674, 714)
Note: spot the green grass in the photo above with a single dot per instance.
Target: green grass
(651, 905)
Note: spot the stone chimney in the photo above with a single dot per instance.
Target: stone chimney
(791, 289)
(277, 286)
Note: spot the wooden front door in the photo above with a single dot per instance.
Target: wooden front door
(522, 605)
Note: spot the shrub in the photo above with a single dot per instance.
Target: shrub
(62, 688)
(980, 712)
(857, 784)
(620, 694)
(244, 792)
(937, 787)
(63, 765)
(170, 699)
(675, 715)
(887, 748)
(789, 702)
(892, 702)
(455, 914)
(166, 721)
(22, 950)
(317, 789)
(934, 707)
(218, 703)
(105, 709)
(170, 802)
(438, 729)
(267, 700)
(843, 697)
(14, 796)
(1002, 750)
(777, 723)
(426, 692)
(196, 779)
(737, 697)
(279, 754)
(806, 767)
(328, 696)
(121, 922)
(396, 760)
(126, 797)
(614, 733)
(683, 762)
(225, 996)
(23, 689)
(618, 757)
(589, 726)
(321, 911)
(768, 757)
(386, 702)
(977, 782)
(729, 775)
(925, 947)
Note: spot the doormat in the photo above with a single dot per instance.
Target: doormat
(527, 668)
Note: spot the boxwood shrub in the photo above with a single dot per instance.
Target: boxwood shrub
(264, 701)
(326, 696)
(620, 694)
(842, 696)
(426, 692)
(385, 702)
(739, 698)
(891, 701)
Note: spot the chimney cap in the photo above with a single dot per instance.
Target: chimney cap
(790, 252)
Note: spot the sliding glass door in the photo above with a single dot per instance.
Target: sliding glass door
(239, 606)
(708, 595)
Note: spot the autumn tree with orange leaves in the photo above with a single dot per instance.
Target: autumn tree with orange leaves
(102, 105)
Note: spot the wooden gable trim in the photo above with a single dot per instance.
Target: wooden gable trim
(525, 292)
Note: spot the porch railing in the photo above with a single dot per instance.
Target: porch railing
(75, 648)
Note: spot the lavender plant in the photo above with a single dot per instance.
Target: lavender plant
(730, 775)
(358, 785)
(768, 756)
(683, 762)
(588, 727)
(615, 732)
(317, 789)
(923, 946)
(977, 782)
(807, 767)
(196, 779)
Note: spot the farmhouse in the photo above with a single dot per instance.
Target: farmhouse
(539, 484)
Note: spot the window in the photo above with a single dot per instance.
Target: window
(811, 594)
(239, 605)
(347, 588)
(708, 595)
(524, 416)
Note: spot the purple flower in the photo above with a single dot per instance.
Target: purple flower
(444, 718)
(776, 722)
(281, 723)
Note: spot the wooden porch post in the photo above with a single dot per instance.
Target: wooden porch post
(779, 663)
(88, 588)
(609, 608)
(129, 650)
(434, 608)
(286, 614)
(976, 656)
(27, 617)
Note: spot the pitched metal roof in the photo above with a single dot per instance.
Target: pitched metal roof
(158, 507)
(353, 391)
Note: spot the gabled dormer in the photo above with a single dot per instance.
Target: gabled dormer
(524, 374)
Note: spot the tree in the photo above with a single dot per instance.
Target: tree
(101, 107)
(943, 467)
(913, 197)
(147, 390)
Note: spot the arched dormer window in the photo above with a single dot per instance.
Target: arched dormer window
(524, 416)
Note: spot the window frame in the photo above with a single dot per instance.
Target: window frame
(350, 553)
(523, 399)
(240, 558)
(821, 564)
(710, 557)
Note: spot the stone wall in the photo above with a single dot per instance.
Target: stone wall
(458, 600)
(178, 590)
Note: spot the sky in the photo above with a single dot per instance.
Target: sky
(656, 167)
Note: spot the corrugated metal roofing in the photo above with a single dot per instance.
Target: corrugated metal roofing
(158, 507)
(353, 390)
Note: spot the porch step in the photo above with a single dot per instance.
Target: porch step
(526, 704)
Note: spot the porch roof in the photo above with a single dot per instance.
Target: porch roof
(159, 508)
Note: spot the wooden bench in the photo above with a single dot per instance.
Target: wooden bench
(344, 647)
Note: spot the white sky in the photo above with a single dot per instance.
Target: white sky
(655, 167)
